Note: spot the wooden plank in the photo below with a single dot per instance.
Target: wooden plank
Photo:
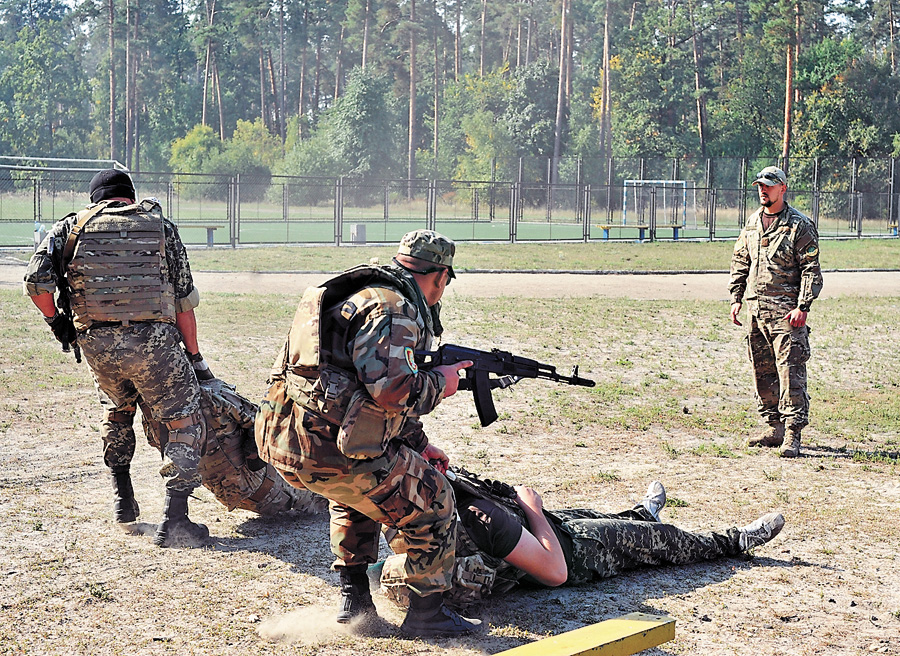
(620, 636)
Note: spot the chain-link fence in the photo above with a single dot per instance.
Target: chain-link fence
(548, 200)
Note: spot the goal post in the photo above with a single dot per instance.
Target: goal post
(676, 202)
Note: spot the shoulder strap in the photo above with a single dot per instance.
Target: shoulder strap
(83, 217)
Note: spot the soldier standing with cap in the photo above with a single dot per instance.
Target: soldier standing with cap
(125, 272)
(775, 268)
(341, 418)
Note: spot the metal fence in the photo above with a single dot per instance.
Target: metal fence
(224, 210)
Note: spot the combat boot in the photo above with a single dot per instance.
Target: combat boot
(125, 507)
(428, 616)
(176, 529)
(791, 448)
(772, 436)
(356, 600)
(759, 532)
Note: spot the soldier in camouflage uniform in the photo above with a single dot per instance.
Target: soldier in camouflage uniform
(503, 541)
(775, 268)
(341, 418)
(125, 273)
(229, 465)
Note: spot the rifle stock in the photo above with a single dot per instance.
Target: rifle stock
(508, 367)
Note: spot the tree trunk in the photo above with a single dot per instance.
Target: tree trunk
(605, 123)
(365, 43)
(481, 48)
(437, 96)
(218, 88)
(129, 81)
(411, 152)
(274, 90)
(113, 146)
(456, 46)
(210, 16)
(338, 72)
(318, 76)
(561, 89)
(698, 82)
(788, 106)
(282, 69)
(263, 109)
(891, 33)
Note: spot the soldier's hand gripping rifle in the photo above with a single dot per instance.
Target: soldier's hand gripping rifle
(508, 369)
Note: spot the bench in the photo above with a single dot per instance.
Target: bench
(209, 231)
(675, 227)
(641, 227)
(618, 636)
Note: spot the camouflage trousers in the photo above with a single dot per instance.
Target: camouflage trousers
(604, 545)
(778, 353)
(146, 360)
(397, 489)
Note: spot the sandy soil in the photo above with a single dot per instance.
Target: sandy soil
(71, 582)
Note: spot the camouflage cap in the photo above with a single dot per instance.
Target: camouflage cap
(430, 246)
(770, 176)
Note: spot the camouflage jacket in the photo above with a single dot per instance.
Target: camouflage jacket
(42, 275)
(776, 270)
(358, 333)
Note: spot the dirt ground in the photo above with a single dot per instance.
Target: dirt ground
(72, 582)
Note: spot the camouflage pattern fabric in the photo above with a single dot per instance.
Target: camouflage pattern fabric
(778, 353)
(602, 545)
(117, 272)
(229, 465)
(372, 335)
(146, 359)
(41, 276)
(776, 271)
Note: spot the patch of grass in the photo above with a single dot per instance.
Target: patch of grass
(715, 450)
(883, 457)
(675, 502)
(605, 477)
(597, 256)
(98, 591)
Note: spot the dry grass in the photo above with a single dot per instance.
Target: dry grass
(672, 403)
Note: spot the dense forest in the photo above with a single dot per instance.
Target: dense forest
(443, 89)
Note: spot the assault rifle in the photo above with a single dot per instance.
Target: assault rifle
(509, 368)
(64, 303)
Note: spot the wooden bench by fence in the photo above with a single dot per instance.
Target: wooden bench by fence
(641, 227)
(674, 227)
(619, 636)
(210, 229)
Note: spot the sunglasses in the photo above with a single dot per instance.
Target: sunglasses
(769, 176)
(433, 269)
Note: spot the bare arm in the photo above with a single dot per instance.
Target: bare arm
(538, 552)
(186, 323)
(45, 304)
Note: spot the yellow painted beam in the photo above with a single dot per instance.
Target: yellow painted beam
(620, 636)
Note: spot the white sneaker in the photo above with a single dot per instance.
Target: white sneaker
(761, 531)
(655, 499)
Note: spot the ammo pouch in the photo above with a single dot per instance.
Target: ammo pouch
(366, 428)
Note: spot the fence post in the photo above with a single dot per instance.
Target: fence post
(892, 219)
(586, 212)
(338, 210)
(609, 189)
(742, 199)
(853, 218)
(36, 190)
(514, 202)
(815, 198)
(652, 213)
(493, 180)
(712, 214)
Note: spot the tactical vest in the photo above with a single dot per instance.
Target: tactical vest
(118, 271)
(313, 362)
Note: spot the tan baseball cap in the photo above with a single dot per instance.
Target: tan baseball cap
(770, 176)
(430, 246)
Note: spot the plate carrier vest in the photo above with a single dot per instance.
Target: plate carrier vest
(118, 271)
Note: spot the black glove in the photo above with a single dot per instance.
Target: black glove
(63, 328)
(201, 369)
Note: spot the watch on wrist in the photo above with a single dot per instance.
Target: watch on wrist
(803, 307)
(50, 320)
